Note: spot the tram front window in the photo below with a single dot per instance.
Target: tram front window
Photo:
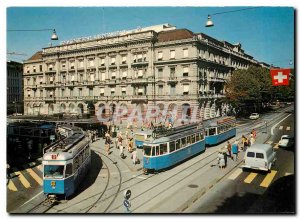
(212, 131)
(147, 150)
(54, 171)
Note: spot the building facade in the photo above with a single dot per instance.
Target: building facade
(154, 66)
(14, 87)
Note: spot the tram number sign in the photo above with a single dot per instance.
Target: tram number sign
(127, 194)
(54, 156)
(126, 203)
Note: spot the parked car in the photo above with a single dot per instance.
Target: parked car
(254, 116)
(286, 141)
(260, 157)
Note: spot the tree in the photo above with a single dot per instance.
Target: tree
(249, 87)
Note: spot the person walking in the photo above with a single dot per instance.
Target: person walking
(120, 139)
(229, 150)
(253, 132)
(252, 139)
(245, 143)
(134, 156)
(221, 160)
(235, 150)
(107, 142)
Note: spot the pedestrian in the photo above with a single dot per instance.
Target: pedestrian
(221, 159)
(229, 150)
(235, 150)
(134, 156)
(130, 143)
(121, 151)
(245, 143)
(120, 139)
(253, 133)
(252, 140)
(107, 142)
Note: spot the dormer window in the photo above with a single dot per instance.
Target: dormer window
(123, 59)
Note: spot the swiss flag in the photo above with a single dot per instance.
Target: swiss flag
(280, 77)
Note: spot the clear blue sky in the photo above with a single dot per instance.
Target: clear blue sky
(266, 33)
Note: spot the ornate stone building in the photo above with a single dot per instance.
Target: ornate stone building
(158, 65)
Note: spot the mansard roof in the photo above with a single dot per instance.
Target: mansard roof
(36, 56)
(173, 35)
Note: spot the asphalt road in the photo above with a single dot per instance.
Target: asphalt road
(249, 191)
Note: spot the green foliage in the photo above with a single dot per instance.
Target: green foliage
(253, 84)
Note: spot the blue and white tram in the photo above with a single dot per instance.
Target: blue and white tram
(219, 129)
(176, 145)
(140, 137)
(66, 162)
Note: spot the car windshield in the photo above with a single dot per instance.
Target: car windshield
(53, 171)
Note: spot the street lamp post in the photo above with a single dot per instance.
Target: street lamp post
(53, 36)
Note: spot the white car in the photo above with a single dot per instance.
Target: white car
(254, 116)
(284, 141)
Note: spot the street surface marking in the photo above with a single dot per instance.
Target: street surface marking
(276, 146)
(269, 142)
(22, 178)
(281, 127)
(11, 186)
(250, 177)
(35, 176)
(268, 179)
(288, 128)
(40, 167)
(235, 174)
(287, 174)
(272, 133)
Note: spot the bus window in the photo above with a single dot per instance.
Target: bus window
(193, 139)
(188, 140)
(183, 142)
(153, 151)
(212, 131)
(197, 137)
(178, 144)
(69, 170)
(163, 148)
(147, 151)
(206, 132)
(172, 146)
(157, 151)
(201, 136)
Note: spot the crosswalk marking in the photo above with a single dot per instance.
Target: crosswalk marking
(23, 180)
(268, 179)
(11, 186)
(276, 146)
(35, 176)
(288, 128)
(236, 173)
(40, 167)
(250, 177)
(281, 127)
(287, 174)
(269, 142)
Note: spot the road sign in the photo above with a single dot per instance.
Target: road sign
(127, 194)
(127, 203)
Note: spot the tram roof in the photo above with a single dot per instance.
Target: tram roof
(218, 121)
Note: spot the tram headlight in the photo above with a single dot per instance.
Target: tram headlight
(53, 184)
